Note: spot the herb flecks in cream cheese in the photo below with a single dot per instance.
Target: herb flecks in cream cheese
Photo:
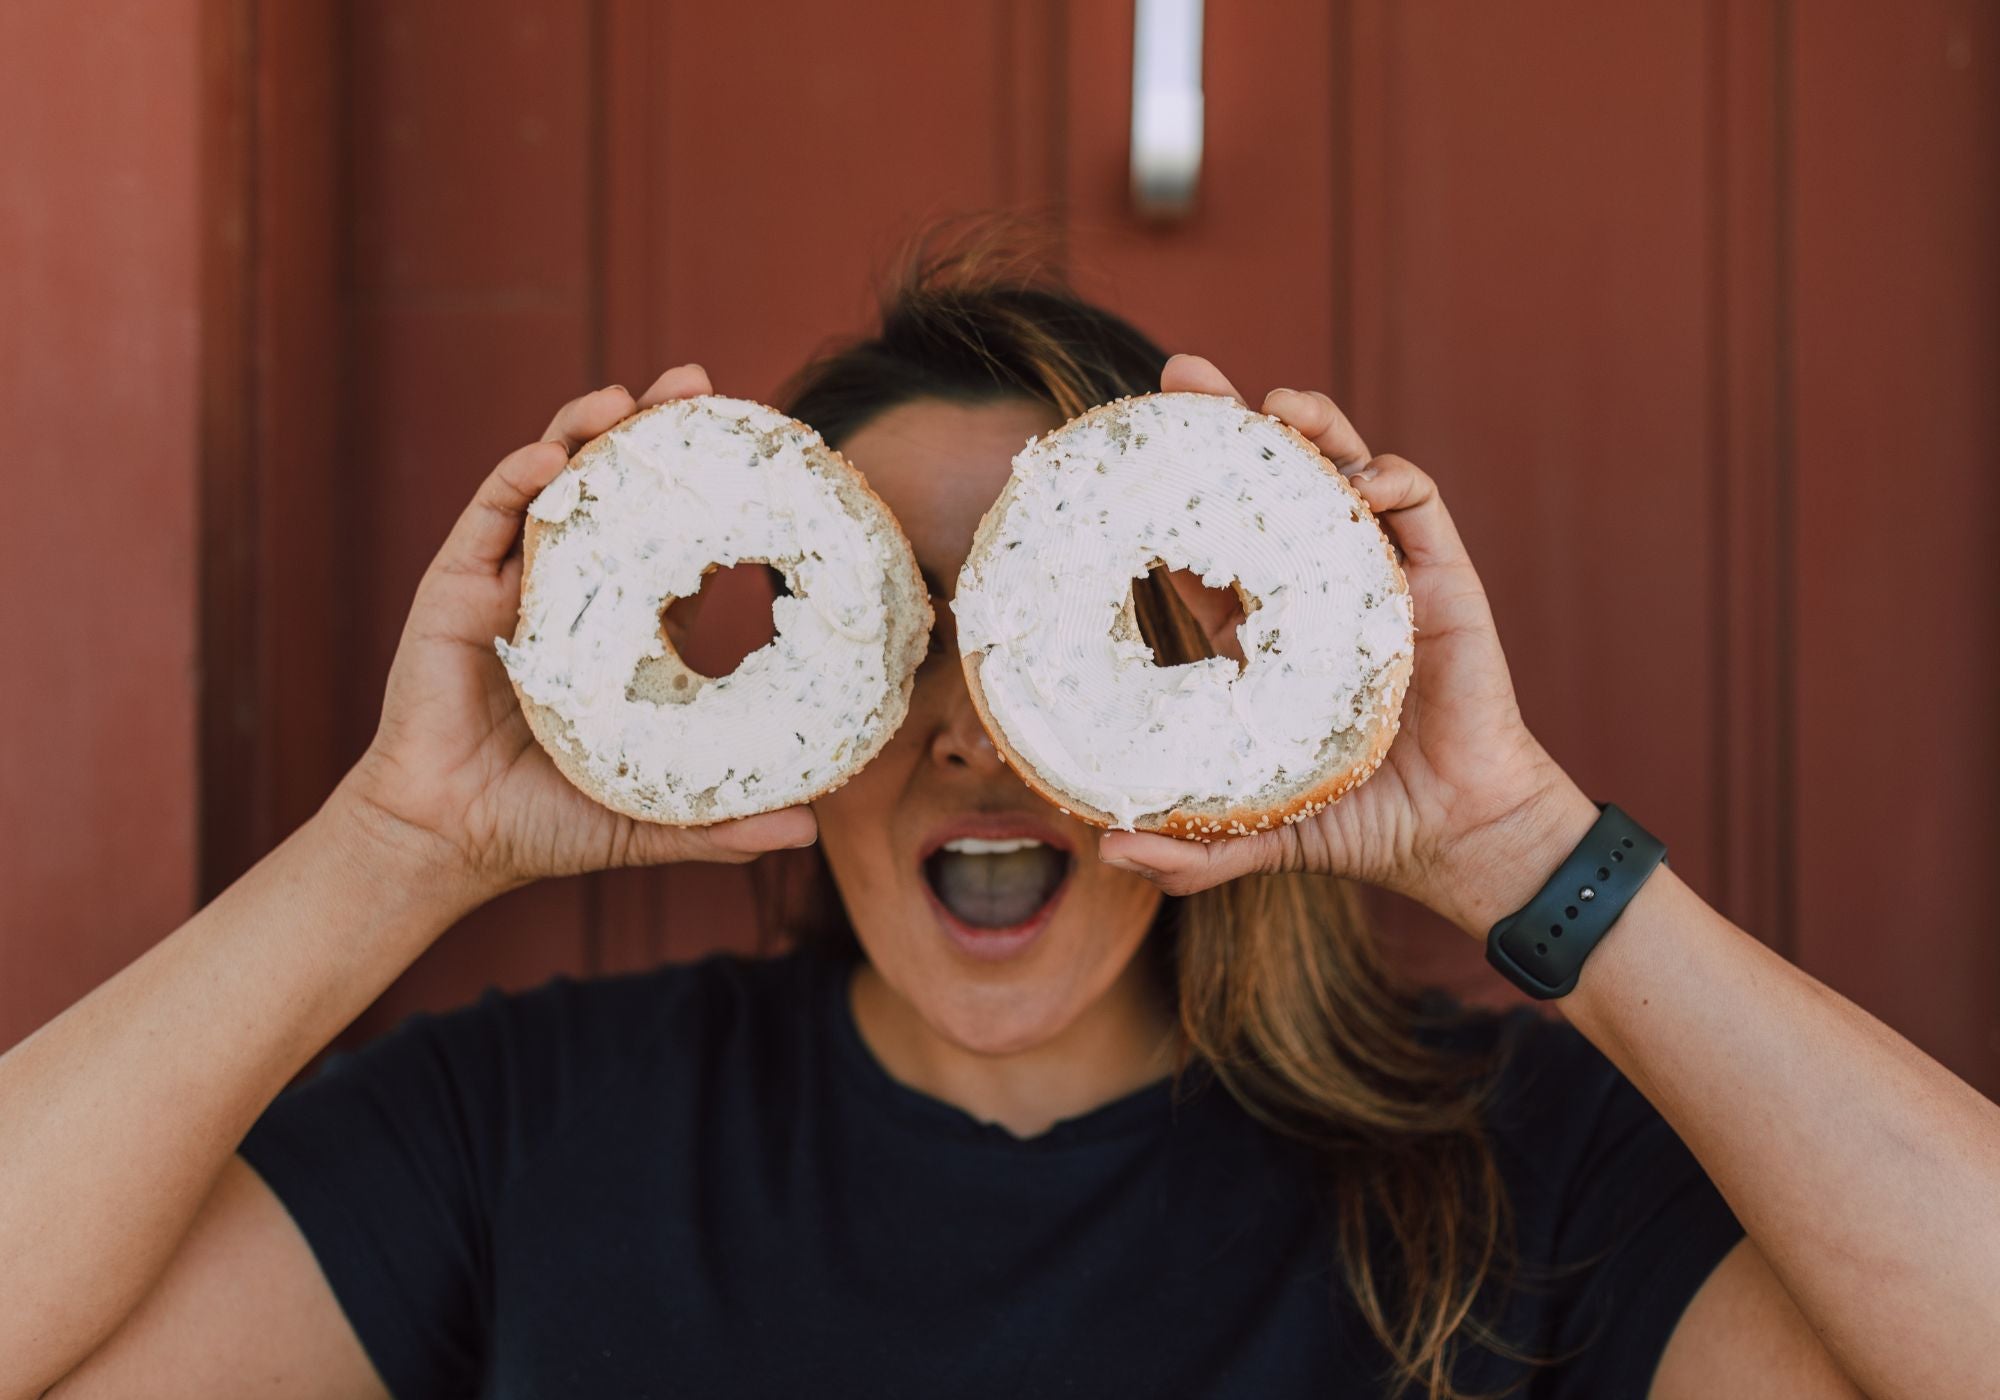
(632, 525)
(1200, 483)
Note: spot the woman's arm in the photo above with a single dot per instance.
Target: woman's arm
(118, 1117)
(242, 1311)
(1866, 1174)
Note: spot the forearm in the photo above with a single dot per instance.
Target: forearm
(1866, 1173)
(116, 1117)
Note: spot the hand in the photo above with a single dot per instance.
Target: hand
(1468, 813)
(454, 772)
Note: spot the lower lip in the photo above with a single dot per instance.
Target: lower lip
(994, 944)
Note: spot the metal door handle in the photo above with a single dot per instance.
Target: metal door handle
(1166, 106)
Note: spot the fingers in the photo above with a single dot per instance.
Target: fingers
(1406, 501)
(1319, 418)
(1311, 412)
(488, 527)
(1186, 867)
(680, 382)
(580, 420)
(487, 530)
(1402, 496)
(1191, 374)
(726, 843)
(768, 831)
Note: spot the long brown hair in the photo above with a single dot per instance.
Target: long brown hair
(1282, 993)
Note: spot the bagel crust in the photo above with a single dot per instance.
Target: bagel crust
(639, 516)
(1072, 697)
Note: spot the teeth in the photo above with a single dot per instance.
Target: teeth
(973, 846)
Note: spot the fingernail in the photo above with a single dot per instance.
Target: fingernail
(1361, 473)
(1129, 867)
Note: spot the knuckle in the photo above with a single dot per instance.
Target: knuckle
(518, 466)
(1416, 483)
(1304, 411)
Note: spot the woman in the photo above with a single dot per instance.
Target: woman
(1187, 1138)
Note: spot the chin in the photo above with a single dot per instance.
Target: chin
(1010, 1018)
(1037, 978)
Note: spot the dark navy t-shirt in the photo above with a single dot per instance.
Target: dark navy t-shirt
(699, 1182)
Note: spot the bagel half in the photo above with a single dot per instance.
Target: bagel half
(635, 521)
(1072, 696)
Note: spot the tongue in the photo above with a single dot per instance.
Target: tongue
(996, 891)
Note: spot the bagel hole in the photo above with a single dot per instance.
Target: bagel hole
(1177, 614)
(724, 620)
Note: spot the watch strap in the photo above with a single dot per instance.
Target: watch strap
(1541, 947)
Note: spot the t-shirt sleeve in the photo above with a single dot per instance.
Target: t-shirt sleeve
(1629, 1225)
(392, 1158)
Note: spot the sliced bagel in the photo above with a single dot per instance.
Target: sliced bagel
(634, 522)
(1072, 695)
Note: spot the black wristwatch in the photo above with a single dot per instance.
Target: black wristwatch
(1541, 947)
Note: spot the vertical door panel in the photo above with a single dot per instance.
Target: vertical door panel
(99, 379)
(766, 164)
(1897, 360)
(472, 265)
(1248, 278)
(800, 144)
(1527, 265)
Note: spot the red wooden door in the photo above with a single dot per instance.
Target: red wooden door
(1690, 308)
(99, 388)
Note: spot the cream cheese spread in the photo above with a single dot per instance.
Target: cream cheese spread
(633, 524)
(1196, 482)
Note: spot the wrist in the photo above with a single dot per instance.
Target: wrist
(387, 852)
(1497, 867)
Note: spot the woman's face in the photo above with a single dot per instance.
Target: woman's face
(984, 908)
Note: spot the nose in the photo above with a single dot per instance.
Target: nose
(960, 740)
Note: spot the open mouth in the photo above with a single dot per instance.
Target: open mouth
(995, 884)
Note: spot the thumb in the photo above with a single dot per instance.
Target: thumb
(784, 829)
(1186, 867)
(731, 842)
